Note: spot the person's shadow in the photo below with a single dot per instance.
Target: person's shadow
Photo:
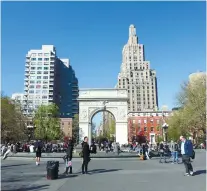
(199, 172)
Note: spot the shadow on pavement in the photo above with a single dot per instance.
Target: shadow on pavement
(7, 166)
(99, 171)
(198, 172)
(31, 188)
(62, 176)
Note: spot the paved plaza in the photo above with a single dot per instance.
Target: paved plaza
(105, 174)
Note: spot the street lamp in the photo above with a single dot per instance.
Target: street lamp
(165, 127)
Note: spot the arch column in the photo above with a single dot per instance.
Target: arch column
(121, 132)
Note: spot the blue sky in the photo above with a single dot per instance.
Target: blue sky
(92, 35)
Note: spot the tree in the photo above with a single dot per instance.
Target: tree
(191, 116)
(13, 126)
(47, 122)
(93, 129)
(75, 128)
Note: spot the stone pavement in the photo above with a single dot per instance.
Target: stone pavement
(105, 174)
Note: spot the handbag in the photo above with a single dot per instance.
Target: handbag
(193, 155)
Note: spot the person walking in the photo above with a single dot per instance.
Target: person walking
(187, 153)
(85, 155)
(38, 150)
(8, 150)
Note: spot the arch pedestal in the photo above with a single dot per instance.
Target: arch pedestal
(92, 101)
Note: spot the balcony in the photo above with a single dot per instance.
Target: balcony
(51, 74)
(26, 69)
(26, 83)
(27, 74)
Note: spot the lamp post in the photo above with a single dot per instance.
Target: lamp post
(165, 127)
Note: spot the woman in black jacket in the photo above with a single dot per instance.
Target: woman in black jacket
(86, 155)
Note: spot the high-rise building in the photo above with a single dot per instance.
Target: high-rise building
(18, 98)
(66, 86)
(49, 79)
(137, 76)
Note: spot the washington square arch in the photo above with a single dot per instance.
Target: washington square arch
(92, 101)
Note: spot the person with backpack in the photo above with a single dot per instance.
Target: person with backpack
(187, 153)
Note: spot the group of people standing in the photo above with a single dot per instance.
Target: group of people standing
(85, 154)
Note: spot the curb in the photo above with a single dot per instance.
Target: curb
(60, 157)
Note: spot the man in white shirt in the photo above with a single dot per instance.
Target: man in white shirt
(187, 152)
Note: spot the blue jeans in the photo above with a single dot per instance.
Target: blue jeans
(174, 156)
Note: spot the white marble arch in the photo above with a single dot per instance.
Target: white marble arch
(92, 101)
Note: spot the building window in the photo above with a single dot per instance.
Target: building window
(32, 82)
(39, 68)
(33, 63)
(33, 59)
(145, 128)
(44, 91)
(31, 91)
(45, 82)
(38, 86)
(40, 54)
(152, 129)
(46, 54)
(45, 72)
(39, 63)
(62, 123)
(38, 82)
(46, 63)
(46, 59)
(68, 123)
(45, 77)
(46, 68)
(45, 87)
(38, 92)
(38, 77)
(39, 72)
(39, 59)
(32, 72)
(44, 97)
(32, 68)
(31, 86)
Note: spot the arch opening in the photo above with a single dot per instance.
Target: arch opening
(103, 126)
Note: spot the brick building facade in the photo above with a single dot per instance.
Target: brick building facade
(66, 126)
(148, 122)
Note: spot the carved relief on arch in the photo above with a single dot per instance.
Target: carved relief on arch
(83, 114)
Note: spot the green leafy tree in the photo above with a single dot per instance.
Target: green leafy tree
(190, 119)
(13, 124)
(93, 130)
(75, 128)
(47, 122)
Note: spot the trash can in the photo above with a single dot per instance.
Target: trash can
(52, 170)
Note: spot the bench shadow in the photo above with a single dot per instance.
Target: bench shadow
(198, 172)
(99, 171)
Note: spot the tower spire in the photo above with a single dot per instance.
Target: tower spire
(132, 35)
(132, 30)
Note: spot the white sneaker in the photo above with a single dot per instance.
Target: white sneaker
(186, 174)
(191, 173)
